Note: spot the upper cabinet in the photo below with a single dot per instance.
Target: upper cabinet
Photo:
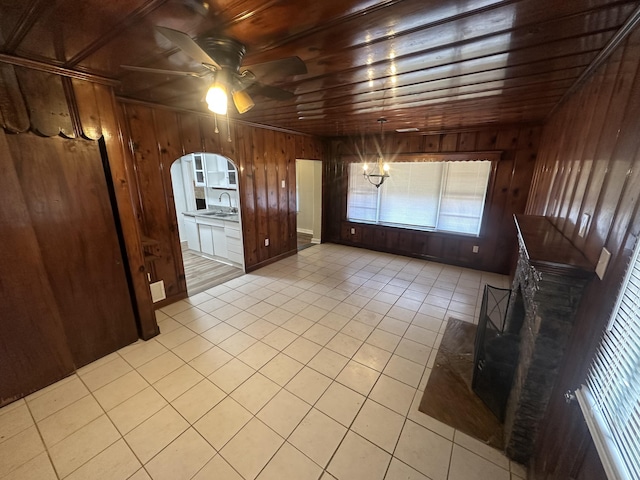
(214, 171)
(198, 170)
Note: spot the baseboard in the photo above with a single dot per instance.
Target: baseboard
(315, 241)
(251, 268)
(304, 231)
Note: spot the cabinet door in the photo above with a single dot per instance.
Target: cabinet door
(219, 241)
(206, 239)
(191, 230)
(198, 170)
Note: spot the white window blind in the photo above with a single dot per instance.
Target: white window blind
(363, 199)
(442, 196)
(406, 193)
(611, 398)
(463, 197)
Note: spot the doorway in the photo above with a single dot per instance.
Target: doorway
(205, 188)
(309, 202)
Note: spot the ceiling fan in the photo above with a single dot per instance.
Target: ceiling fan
(222, 56)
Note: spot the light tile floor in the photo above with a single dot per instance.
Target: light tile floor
(310, 368)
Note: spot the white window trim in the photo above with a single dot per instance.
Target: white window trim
(605, 440)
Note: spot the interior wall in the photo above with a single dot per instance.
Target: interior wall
(306, 180)
(507, 195)
(64, 296)
(317, 202)
(589, 162)
(265, 159)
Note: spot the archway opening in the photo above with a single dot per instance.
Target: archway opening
(207, 201)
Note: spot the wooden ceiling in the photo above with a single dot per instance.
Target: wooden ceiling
(433, 65)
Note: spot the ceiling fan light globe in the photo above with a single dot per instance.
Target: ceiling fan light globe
(243, 101)
(217, 99)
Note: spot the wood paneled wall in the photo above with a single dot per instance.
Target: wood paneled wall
(507, 196)
(589, 162)
(67, 227)
(265, 159)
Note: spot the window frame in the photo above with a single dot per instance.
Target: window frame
(492, 156)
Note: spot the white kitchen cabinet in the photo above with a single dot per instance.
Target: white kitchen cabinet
(219, 242)
(206, 239)
(199, 170)
(191, 233)
(212, 237)
(234, 242)
(217, 169)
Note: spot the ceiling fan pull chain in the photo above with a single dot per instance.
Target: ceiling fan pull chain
(228, 128)
(215, 119)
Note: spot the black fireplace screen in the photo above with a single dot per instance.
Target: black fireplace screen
(495, 353)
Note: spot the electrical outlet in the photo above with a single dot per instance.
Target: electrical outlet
(603, 262)
(353, 231)
(283, 184)
(475, 249)
(584, 225)
(266, 242)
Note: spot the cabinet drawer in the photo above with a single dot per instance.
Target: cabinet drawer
(235, 257)
(236, 248)
(232, 232)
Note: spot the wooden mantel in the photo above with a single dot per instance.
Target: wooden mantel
(548, 250)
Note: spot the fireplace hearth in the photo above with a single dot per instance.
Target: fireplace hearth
(549, 281)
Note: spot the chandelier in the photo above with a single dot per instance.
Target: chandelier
(377, 174)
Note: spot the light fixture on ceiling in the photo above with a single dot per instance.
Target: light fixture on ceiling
(380, 172)
(218, 95)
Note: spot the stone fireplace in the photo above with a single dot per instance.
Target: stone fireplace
(548, 284)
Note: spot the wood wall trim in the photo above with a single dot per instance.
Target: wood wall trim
(56, 70)
(158, 106)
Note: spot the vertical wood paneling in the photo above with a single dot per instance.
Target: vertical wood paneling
(128, 204)
(69, 206)
(507, 196)
(170, 150)
(34, 348)
(594, 132)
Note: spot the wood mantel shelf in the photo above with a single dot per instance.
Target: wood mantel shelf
(548, 250)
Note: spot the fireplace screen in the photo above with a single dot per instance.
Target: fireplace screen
(495, 353)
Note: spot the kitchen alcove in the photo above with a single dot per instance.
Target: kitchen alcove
(208, 217)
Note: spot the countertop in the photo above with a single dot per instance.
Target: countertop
(220, 214)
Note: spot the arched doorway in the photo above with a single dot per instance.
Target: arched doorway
(205, 188)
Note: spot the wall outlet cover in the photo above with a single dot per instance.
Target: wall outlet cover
(603, 262)
(584, 224)
(157, 291)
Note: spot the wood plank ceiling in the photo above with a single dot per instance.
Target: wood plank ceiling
(433, 65)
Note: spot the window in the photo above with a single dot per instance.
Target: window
(441, 196)
(611, 398)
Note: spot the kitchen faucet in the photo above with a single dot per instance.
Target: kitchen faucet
(229, 196)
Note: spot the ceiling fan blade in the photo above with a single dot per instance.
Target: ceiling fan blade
(164, 72)
(276, 69)
(187, 45)
(269, 91)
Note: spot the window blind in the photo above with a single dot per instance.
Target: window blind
(409, 195)
(443, 196)
(362, 203)
(610, 399)
(463, 197)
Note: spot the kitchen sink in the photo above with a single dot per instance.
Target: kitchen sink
(219, 214)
